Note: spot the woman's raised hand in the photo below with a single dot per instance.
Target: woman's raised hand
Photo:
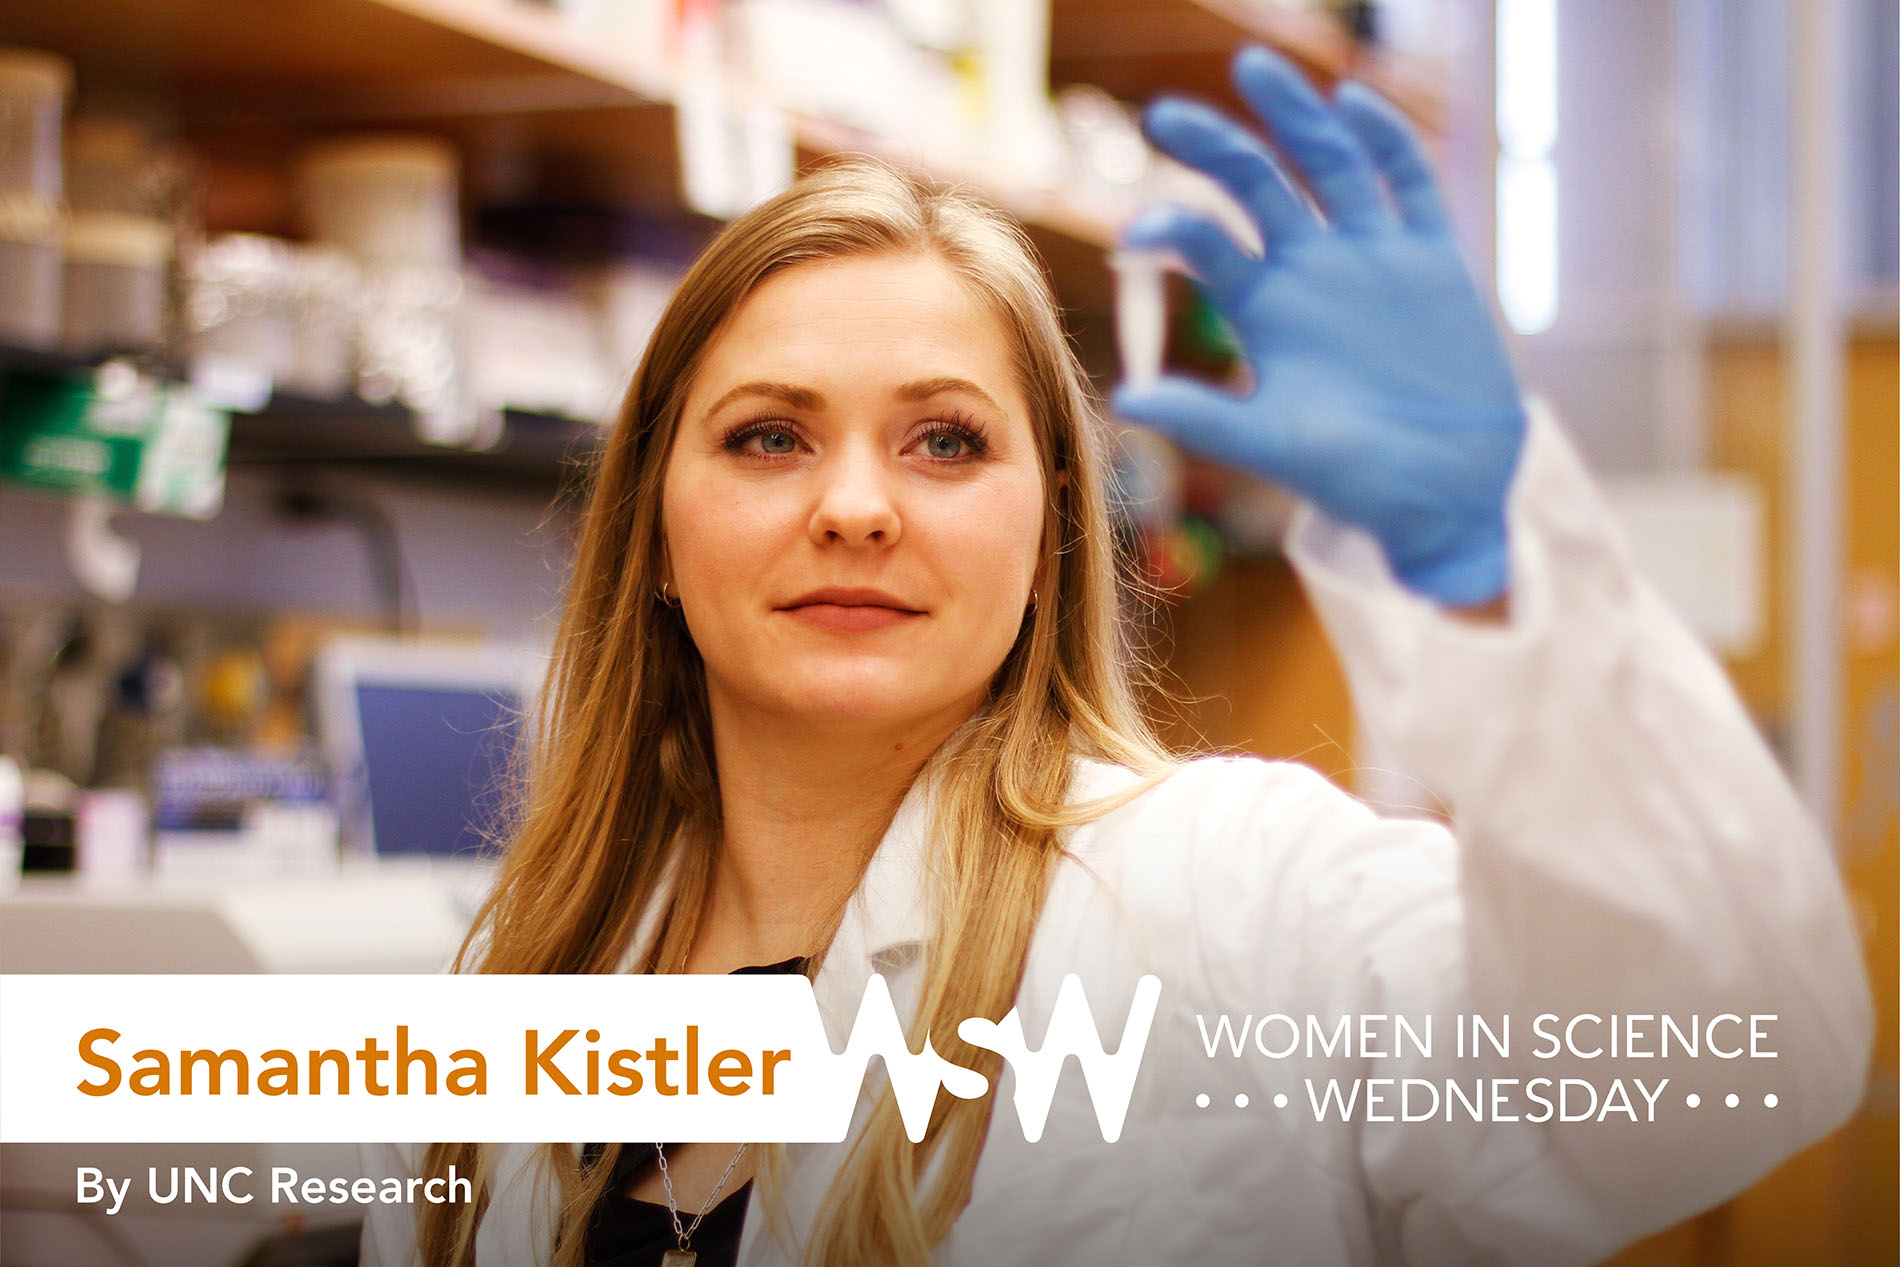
(1381, 391)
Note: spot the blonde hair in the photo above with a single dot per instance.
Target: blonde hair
(620, 790)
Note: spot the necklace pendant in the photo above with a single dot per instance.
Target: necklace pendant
(678, 1258)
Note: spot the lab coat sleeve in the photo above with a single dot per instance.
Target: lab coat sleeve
(1625, 844)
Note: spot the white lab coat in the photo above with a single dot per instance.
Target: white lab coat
(1624, 843)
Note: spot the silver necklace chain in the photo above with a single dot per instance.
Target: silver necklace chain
(672, 1205)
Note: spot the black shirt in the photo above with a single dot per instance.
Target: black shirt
(624, 1232)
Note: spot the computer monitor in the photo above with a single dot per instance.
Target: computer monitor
(420, 737)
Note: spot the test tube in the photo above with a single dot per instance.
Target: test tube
(1141, 314)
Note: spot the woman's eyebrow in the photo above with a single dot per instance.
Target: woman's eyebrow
(793, 395)
(805, 398)
(924, 388)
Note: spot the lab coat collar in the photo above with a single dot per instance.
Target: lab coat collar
(892, 915)
(891, 912)
(888, 919)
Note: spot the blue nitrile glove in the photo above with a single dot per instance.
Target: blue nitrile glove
(1381, 391)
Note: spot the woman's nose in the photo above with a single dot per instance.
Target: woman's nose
(855, 502)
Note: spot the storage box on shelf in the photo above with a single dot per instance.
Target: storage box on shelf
(33, 91)
(533, 450)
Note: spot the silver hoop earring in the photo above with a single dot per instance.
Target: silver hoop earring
(665, 595)
(1035, 596)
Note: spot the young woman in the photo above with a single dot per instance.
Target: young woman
(840, 689)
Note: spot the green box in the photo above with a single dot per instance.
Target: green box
(140, 441)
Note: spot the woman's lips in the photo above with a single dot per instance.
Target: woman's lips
(849, 617)
(850, 609)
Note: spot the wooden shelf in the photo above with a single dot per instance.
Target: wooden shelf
(1139, 49)
(542, 112)
(518, 88)
(542, 36)
(1136, 49)
(507, 83)
(494, 55)
(199, 47)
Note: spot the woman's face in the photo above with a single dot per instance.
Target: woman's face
(853, 504)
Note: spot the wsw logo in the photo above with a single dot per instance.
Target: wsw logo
(917, 1076)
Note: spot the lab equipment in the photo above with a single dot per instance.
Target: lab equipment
(34, 86)
(33, 91)
(391, 203)
(1141, 314)
(12, 814)
(221, 816)
(114, 434)
(240, 304)
(110, 836)
(1381, 389)
(419, 737)
(276, 309)
(1108, 162)
(388, 200)
(328, 285)
(115, 282)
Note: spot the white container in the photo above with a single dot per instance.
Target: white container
(274, 308)
(12, 815)
(33, 91)
(388, 200)
(112, 832)
(29, 275)
(328, 292)
(240, 301)
(115, 283)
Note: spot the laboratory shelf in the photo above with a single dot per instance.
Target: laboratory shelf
(521, 90)
(404, 48)
(515, 87)
(397, 51)
(1133, 49)
(534, 450)
(1138, 49)
(543, 113)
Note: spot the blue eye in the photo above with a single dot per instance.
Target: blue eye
(761, 438)
(956, 438)
(945, 444)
